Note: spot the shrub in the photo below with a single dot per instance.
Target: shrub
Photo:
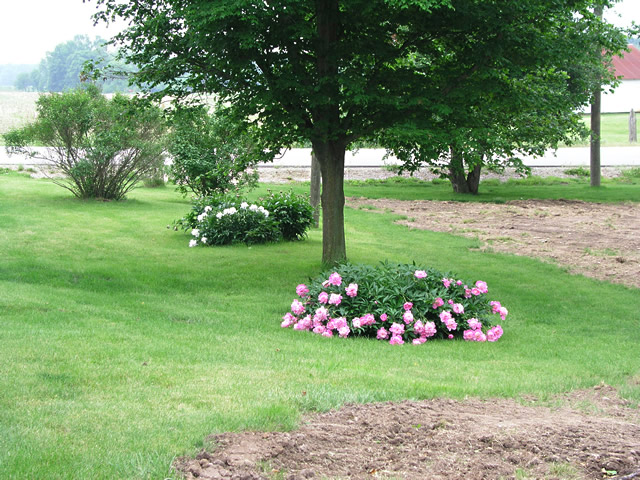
(293, 213)
(104, 147)
(577, 172)
(234, 222)
(396, 303)
(213, 154)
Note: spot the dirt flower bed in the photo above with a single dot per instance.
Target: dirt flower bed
(597, 240)
(586, 434)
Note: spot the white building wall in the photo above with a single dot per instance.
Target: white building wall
(625, 97)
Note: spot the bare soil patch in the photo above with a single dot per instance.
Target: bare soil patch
(597, 240)
(589, 434)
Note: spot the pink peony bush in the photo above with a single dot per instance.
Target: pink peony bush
(396, 303)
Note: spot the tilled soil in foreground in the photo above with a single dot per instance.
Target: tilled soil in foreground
(590, 434)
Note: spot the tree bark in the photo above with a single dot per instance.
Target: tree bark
(330, 156)
(314, 193)
(596, 104)
(460, 180)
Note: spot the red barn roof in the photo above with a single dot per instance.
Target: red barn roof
(627, 65)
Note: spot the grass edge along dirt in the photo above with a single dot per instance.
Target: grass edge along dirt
(122, 347)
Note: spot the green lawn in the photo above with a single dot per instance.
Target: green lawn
(121, 347)
(614, 129)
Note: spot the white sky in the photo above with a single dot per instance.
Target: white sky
(30, 28)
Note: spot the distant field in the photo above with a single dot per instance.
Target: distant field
(17, 108)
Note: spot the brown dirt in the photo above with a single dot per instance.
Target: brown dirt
(597, 240)
(589, 434)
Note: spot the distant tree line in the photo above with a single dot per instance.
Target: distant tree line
(61, 68)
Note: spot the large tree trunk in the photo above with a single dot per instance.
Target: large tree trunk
(315, 189)
(330, 156)
(461, 181)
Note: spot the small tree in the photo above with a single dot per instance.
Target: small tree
(103, 147)
(213, 153)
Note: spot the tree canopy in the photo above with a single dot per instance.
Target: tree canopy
(335, 71)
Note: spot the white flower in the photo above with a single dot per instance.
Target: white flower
(207, 209)
(201, 216)
(203, 239)
(266, 213)
(195, 232)
(261, 208)
(232, 210)
(219, 215)
(253, 208)
(193, 243)
(244, 205)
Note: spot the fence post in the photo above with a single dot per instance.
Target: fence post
(633, 131)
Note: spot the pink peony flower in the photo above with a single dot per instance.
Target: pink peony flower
(306, 322)
(446, 282)
(418, 327)
(344, 331)
(335, 279)
(383, 317)
(356, 323)
(367, 319)
(339, 323)
(448, 320)
(382, 334)
(396, 328)
(288, 320)
(467, 293)
(407, 317)
(474, 324)
(429, 329)
(458, 308)
(482, 286)
(321, 314)
(352, 290)
(469, 335)
(503, 313)
(494, 333)
(327, 333)
(475, 291)
(396, 340)
(479, 336)
(459, 282)
(495, 306)
(407, 306)
(323, 297)
(319, 329)
(335, 299)
(297, 307)
(420, 274)
(450, 302)
(302, 290)
(450, 337)
(419, 341)
(437, 303)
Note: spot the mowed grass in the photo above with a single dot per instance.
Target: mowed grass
(121, 348)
